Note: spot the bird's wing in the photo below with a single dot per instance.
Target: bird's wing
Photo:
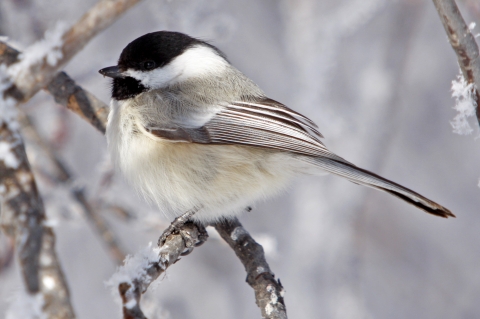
(261, 123)
(269, 124)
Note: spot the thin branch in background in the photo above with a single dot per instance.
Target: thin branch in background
(268, 291)
(64, 176)
(101, 226)
(463, 43)
(31, 75)
(67, 93)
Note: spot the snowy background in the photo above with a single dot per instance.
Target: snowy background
(375, 75)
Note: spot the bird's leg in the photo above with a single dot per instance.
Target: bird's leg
(177, 227)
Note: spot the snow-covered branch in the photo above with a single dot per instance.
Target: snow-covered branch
(38, 65)
(140, 270)
(268, 291)
(464, 45)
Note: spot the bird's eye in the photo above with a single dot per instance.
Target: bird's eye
(148, 65)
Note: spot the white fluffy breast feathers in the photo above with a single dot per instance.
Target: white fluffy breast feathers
(197, 61)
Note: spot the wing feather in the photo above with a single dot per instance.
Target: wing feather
(262, 123)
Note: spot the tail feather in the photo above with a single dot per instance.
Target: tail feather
(361, 176)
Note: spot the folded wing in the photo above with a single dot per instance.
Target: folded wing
(270, 124)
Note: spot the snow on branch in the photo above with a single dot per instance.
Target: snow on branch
(466, 48)
(140, 270)
(39, 63)
(465, 104)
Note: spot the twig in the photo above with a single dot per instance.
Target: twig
(268, 291)
(101, 226)
(67, 93)
(34, 76)
(131, 291)
(463, 43)
(64, 176)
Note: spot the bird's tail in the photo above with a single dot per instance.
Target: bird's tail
(361, 176)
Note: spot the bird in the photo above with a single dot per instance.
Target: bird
(199, 139)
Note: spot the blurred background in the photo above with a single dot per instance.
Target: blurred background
(375, 75)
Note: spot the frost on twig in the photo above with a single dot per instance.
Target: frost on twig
(465, 104)
(39, 63)
(140, 270)
(268, 291)
(466, 48)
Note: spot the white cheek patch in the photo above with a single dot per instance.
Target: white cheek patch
(195, 62)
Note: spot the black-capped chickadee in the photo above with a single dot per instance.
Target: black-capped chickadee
(191, 132)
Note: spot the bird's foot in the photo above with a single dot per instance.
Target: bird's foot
(177, 227)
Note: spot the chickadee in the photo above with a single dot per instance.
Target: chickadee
(191, 132)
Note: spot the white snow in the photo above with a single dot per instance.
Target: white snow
(472, 26)
(269, 308)
(131, 303)
(49, 48)
(7, 156)
(237, 232)
(134, 267)
(465, 105)
(48, 282)
(26, 306)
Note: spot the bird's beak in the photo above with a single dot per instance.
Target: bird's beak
(112, 72)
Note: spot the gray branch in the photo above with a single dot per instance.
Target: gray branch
(463, 43)
(268, 291)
